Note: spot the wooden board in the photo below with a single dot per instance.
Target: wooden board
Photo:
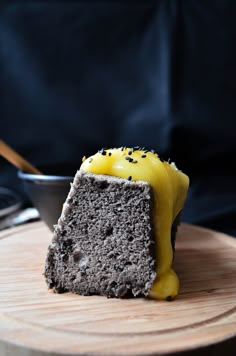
(34, 321)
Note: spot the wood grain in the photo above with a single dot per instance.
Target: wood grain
(13, 157)
(35, 321)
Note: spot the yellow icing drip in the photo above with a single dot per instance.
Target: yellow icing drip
(170, 187)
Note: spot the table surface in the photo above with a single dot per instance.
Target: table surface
(35, 321)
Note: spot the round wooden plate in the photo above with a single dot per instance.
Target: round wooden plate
(35, 321)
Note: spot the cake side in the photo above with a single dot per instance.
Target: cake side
(103, 243)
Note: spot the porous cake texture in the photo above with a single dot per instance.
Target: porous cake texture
(103, 243)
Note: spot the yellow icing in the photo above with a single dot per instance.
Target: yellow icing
(170, 187)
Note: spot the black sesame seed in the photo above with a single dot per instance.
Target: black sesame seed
(130, 152)
(90, 160)
(109, 154)
(129, 178)
(143, 156)
(103, 152)
(134, 161)
(129, 159)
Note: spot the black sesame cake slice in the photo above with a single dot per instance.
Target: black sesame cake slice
(116, 232)
(103, 243)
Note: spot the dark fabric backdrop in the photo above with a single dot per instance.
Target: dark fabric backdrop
(78, 76)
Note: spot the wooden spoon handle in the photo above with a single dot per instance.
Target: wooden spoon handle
(12, 156)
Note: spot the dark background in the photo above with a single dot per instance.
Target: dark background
(78, 76)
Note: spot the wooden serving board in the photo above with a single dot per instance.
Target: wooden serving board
(35, 321)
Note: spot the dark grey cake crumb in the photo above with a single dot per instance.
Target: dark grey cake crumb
(103, 243)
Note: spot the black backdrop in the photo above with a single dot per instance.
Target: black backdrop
(78, 76)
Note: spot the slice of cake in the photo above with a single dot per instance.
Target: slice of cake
(117, 227)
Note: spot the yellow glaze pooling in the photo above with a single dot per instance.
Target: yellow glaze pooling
(170, 187)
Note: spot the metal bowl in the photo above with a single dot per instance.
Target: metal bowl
(48, 192)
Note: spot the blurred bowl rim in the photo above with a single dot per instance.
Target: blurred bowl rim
(14, 206)
(44, 177)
